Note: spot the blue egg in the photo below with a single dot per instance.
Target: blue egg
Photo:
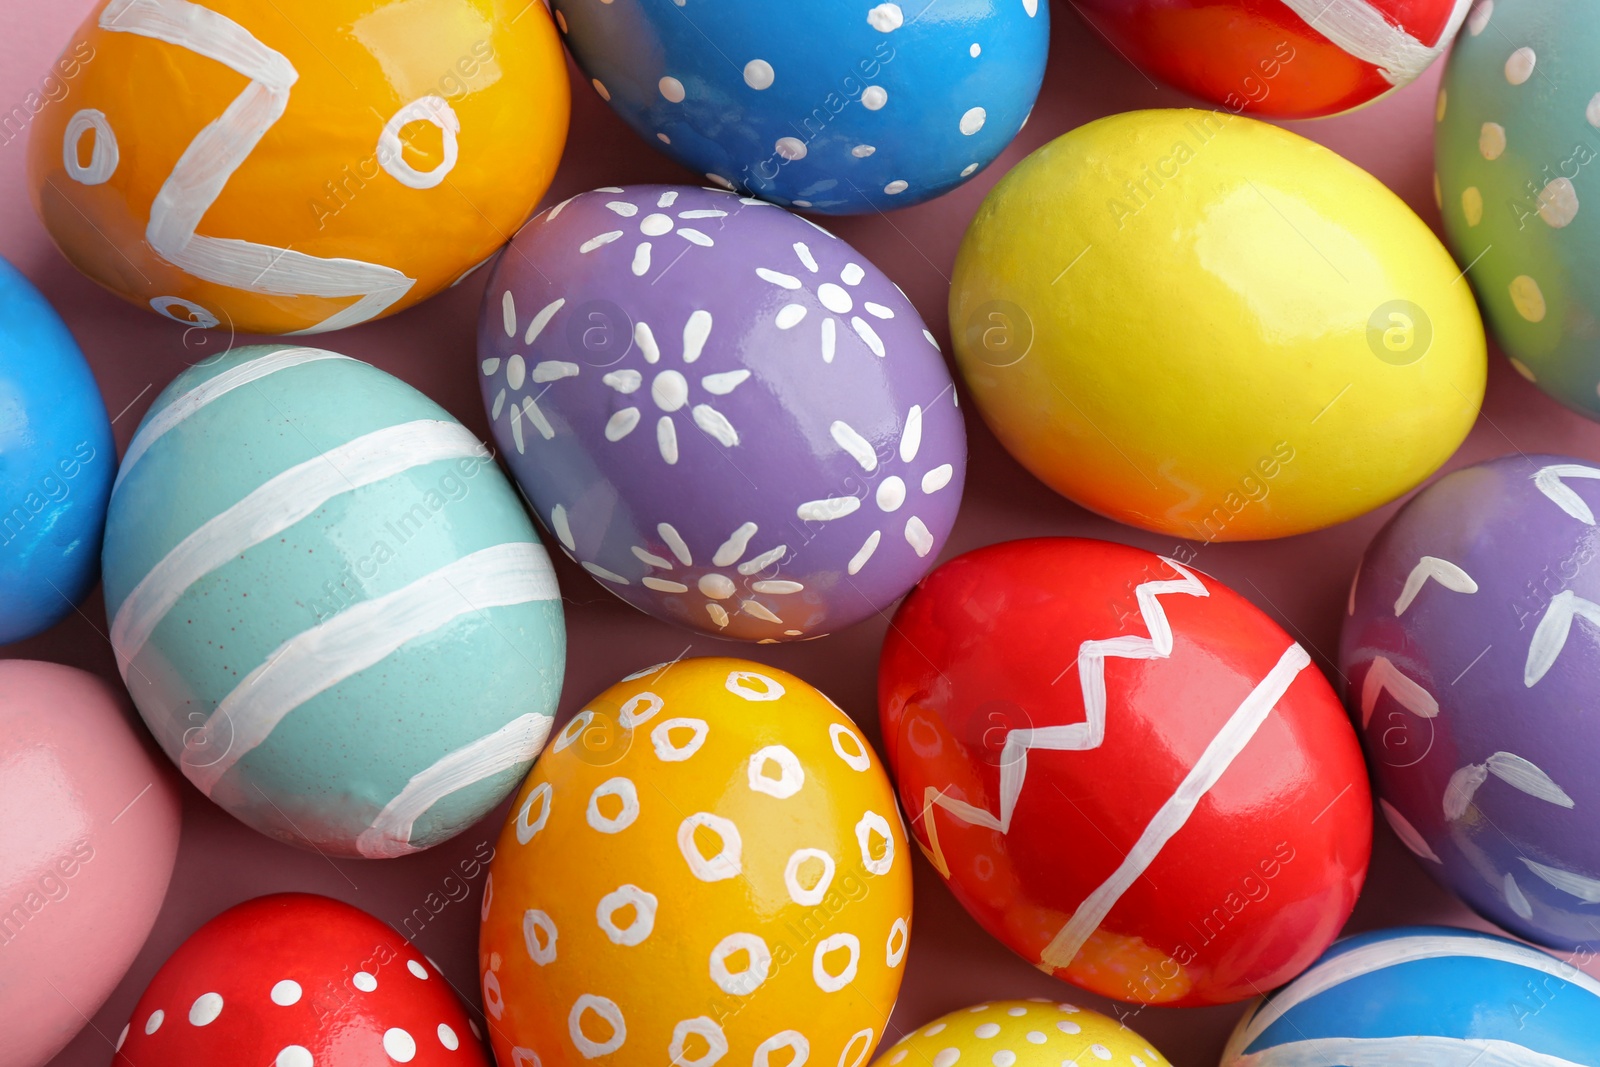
(57, 459)
(835, 106)
(328, 603)
(1426, 996)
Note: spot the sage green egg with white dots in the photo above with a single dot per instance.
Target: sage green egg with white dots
(1518, 156)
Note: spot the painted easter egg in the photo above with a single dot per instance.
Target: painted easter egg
(1516, 137)
(834, 106)
(298, 166)
(742, 891)
(1304, 354)
(1078, 727)
(1023, 1033)
(1426, 995)
(88, 834)
(296, 980)
(1470, 651)
(1293, 59)
(728, 416)
(57, 459)
(329, 605)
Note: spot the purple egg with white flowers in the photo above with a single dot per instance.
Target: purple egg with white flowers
(1471, 653)
(724, 413)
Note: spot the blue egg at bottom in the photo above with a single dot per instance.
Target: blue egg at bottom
(1426, 997)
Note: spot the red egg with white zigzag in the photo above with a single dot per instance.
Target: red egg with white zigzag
(1124, 770)
(1281, 58)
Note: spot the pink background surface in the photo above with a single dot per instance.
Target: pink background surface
(1301, 581)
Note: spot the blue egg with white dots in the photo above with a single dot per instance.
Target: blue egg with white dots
(1426, 997)
(833, 106)
(57, 460)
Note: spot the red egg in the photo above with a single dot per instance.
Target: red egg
(1281, 58)
(1124, 770)
(295, 980)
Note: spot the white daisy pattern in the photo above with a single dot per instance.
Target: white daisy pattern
(892, 494)
(651, 225)
(736, 583)
(670, 391)
(839, 305)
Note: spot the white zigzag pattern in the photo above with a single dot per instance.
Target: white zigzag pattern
(1076, 737)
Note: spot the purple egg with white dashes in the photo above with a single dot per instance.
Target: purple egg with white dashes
(724, 413)
(1471, 653)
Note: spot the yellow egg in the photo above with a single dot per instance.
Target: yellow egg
(1204, 325)
(706, 865)
(1022, 1033)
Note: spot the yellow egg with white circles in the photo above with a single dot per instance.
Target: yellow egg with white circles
(1022, 1033)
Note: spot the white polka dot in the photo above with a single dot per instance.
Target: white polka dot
(935, 1030)
(1592, 113)
(152, 1024)
(122, 1037)
(1016, 1011)
(448, 1038)
(720, 180)
(987, 1030)
(1492, 140)
(1472, 205)
(972, 120)
(599, 87)
(1100, 1051)
(627, 808)
(899, 1057)
(286, 992)
(874, 97)
(1004, 1058)
(886, 18)
(561, 20)
(401, 1046)
(416, 968)
(364, 982)
(1067, 1026)
(791, 148)
(1558, 203)
(946, 1057)
(294, 1056)
(516, 371)
(896, 187)
(1519, 68)
(758, 74)
(1528, 298)
(663, 138)
(205, 1009)
(1480, 17)
(862, 151)
(976, 50)
(671, 88)
(1524, 370)
(969, 170)
(1036, 1038)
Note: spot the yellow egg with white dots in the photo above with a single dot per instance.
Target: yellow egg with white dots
(1022, 1033)
(705, 867)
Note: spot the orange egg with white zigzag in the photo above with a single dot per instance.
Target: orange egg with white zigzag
(707, 864)
(297, 166)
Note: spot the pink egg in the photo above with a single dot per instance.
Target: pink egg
(89, 825)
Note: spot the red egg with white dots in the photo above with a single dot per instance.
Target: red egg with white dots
(296, 980)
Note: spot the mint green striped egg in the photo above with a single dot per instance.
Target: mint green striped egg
(329, 604)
